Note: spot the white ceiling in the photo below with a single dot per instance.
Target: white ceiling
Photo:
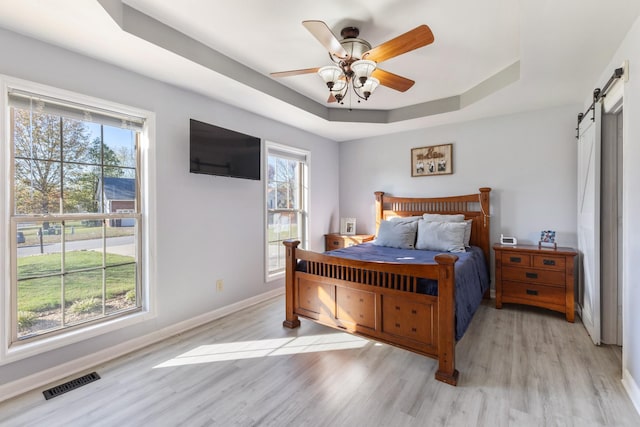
(560, 48)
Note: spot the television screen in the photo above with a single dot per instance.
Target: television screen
(218, 151)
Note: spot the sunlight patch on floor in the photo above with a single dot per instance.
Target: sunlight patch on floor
(264, 348)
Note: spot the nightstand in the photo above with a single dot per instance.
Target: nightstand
(336, 241)
(542, 277)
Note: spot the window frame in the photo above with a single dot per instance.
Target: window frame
(11, 350)
(304, 158)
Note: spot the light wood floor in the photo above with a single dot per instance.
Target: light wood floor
(518, 367)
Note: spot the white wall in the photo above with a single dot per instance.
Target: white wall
(208, 227)
(529, 161)
(630, 50)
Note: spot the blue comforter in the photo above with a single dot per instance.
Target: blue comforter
(472, 277)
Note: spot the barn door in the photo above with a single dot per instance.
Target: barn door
(589, 220)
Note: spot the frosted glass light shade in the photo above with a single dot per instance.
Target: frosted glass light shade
(369, 87)
(363, 68)
(339, 85)
(330, 74)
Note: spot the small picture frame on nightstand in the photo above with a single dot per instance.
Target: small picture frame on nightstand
(548, 239)
(348, 226)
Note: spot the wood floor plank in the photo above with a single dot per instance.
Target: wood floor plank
(519, 366)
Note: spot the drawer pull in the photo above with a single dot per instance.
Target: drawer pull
(531, 275)
(414, 330)
(414, 312)
(515, 259)
(336, 243)
(532, 292)
(397, 307)
(397, 325)
(549, 261)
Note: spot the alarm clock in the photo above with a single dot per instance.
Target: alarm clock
(506, 240)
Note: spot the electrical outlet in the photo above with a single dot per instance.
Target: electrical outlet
(219, 285)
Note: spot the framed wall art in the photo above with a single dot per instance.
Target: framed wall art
(432, 160)
(348, 226)
(548, 238)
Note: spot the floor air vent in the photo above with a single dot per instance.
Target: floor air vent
(71, 385)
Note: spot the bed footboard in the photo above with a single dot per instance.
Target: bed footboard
(377, 300)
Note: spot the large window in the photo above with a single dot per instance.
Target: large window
(286, 202)
(75, 215)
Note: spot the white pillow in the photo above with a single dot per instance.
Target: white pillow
(441, 236)
(397, 234)
(443, 218)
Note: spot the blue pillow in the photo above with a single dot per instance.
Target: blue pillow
(397, 234)
(441, 236)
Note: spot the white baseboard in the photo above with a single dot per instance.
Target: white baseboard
(78, 366)
(632, 388)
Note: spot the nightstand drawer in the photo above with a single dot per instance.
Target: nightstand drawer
(332, 243)
(531, 275)
(549, 262)
(522, 260)
(532, 293)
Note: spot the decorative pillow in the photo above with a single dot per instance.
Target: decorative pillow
(397, 234)
(441, 236)
(443, 218)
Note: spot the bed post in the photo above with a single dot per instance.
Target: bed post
(446, 319)
(379, 209)
(484, 207)
(486, 244)
(291, 320)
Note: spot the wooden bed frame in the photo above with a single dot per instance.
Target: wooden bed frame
(379, 300)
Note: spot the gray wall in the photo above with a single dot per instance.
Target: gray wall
(207, 227)
(529, 161)
(630, 50)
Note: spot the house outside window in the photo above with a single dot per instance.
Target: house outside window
(286, 200)
(75, 214)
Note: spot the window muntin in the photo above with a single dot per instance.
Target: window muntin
(286, 202)
(75, 216)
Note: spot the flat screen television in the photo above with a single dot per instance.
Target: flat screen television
(218, 151)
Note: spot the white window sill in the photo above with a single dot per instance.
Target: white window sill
(29, 348)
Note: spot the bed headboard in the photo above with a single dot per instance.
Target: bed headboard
(473, 206)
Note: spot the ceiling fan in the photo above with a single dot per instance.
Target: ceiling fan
(356, 62)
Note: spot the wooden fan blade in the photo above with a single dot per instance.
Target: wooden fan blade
(323, 34)
(295, 72)
(393, 81)
(418, 37)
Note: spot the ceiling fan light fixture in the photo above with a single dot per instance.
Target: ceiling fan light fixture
(368, 87)
(362, 69)
(355, 60)
(331, 75)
